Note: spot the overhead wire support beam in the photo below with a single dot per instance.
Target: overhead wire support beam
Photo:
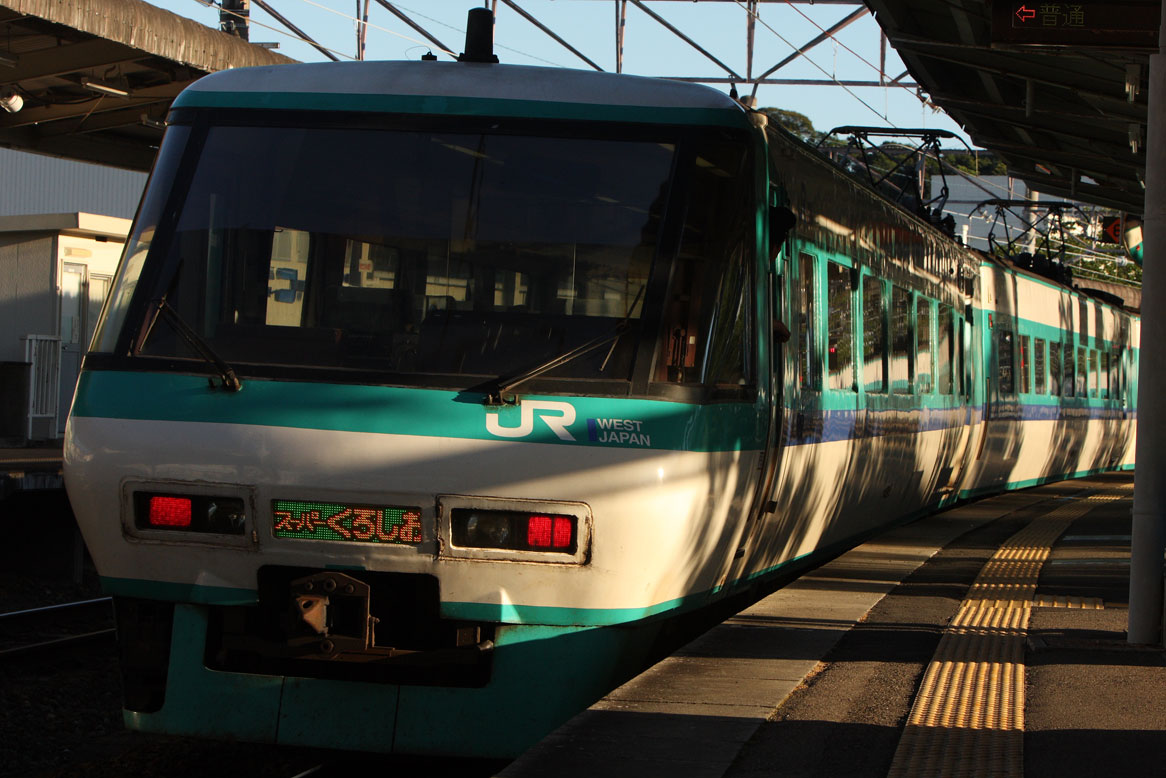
(784, 81)
(621, 19)
(639, 4)
(287, 23)
(750, 30)
(825, 35)
(551, 33)
(417, 27)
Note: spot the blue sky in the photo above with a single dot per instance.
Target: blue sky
(649, 49)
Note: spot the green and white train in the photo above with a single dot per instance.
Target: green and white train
(429, 395)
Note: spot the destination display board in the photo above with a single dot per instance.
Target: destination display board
(305, 520)
(1122, 25)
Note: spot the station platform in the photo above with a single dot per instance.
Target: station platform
(31, 468)
(986, 640)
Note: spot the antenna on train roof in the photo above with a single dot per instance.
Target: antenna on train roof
(479, 37)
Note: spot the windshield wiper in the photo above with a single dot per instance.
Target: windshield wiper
(496, 389)
(163, 309)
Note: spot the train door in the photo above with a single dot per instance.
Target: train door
(82, 295)
(774, 335)
(961, 344)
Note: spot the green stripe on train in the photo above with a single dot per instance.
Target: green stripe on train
(573, 421)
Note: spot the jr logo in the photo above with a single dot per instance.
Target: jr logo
(563, 417)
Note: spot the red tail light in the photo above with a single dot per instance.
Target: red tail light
(538, 531)
(170, 511)
(562, 535)
(548, 532)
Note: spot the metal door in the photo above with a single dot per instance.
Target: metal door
(74, 303)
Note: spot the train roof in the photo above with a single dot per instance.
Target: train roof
(463, 88)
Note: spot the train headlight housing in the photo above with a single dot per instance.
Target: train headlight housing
(514, 530)
(484, 529)
(190, 513)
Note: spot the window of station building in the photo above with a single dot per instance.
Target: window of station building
(923, 362)
(1094, 378)
(902, 338)
(1067, 381)
(1038, 366)
(1005, 359)
(807, 374)
(1082, 375)
(840, 347)
(874, 336)
(1055, 368)
(945, 350)
(1025, 363)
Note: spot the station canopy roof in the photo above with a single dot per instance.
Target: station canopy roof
(95, 78)
(1066, 113)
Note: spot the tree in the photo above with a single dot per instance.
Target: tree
(796, 123)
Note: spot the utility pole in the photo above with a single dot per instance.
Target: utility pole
(234, 16)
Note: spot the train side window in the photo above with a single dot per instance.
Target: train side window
(1067, 382)
(708, 317)
(1025, 363)
(840, 351)
(1115, 374)
(923, 362)
(944, 350)
(874, 336)
(807, 367)
(902, 337)
(1103, 375)
(1055, 368)
(961, 330)
(1004, 359)
(1082, 376)
(1038, 365)
(1094, 378)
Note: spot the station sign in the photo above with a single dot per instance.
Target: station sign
(1121, 25)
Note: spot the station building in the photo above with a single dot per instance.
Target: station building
(63, 225)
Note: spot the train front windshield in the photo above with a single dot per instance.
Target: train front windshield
(430, 257)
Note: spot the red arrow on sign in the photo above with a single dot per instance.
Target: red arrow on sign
(1112, 228)
(1025, 13)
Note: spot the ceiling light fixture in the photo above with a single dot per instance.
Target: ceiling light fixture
(103, 89)
(10, 101)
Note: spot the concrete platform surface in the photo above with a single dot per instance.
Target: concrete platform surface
(31, 468)
(868, 666)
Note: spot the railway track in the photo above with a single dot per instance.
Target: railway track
(55, 626)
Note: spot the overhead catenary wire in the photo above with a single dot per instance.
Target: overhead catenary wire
(377, 27)
(839, 42)
(276, 30)
(757, 16)
(496, 44)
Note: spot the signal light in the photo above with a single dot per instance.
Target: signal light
(169, 511)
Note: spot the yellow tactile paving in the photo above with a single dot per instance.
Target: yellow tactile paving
(968, 716)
